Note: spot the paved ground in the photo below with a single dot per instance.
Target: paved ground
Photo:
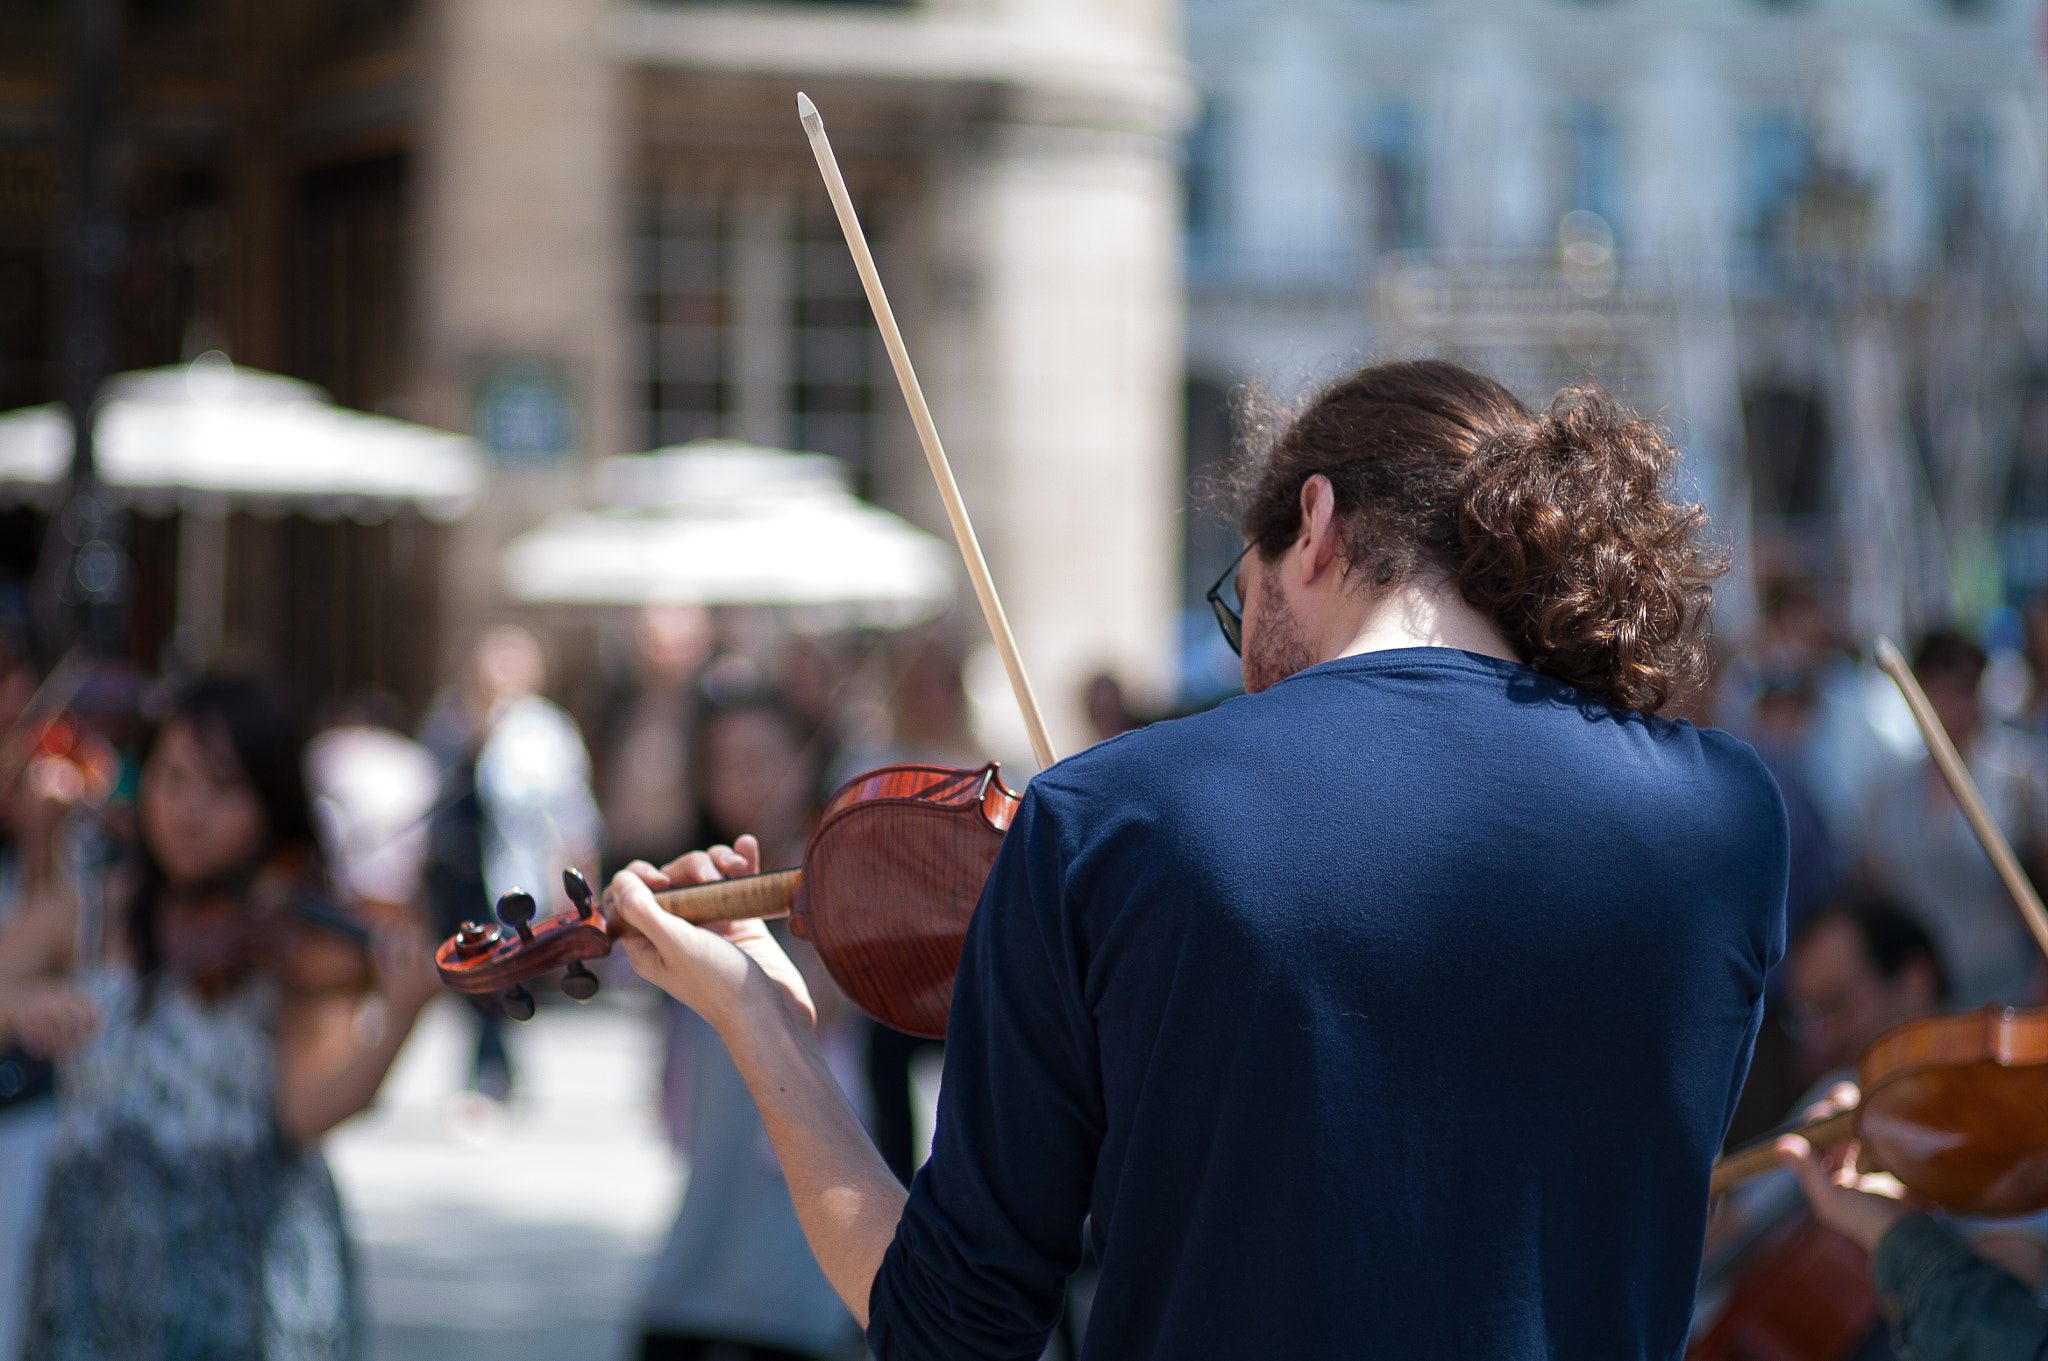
(516, 1237)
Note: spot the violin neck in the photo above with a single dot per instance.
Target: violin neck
(1753, 1160)
(732, 900)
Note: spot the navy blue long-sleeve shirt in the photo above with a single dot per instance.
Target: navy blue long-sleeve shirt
(1396, 1011)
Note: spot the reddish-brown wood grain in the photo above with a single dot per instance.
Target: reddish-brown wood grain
(890, 879)
(488, 958)
(1956, 1107)
(1805, 1296)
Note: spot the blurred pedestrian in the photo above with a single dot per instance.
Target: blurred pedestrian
(1109, 712)
(650, 808)
(515, 808)
(213, 1040)
(931, 725)
(1919, 846)
(736, 1279)
(929, 720)
(373, 791)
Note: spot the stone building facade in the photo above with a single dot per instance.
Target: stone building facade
(1813, 235)
(586, 227)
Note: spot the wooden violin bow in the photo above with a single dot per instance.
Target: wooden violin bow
(1950, 762)
(927, 432)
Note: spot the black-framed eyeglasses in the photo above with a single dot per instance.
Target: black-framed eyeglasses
(1228, 619)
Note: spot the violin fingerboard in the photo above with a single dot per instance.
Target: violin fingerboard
(733, 900)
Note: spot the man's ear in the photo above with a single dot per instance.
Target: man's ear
(1318, 538)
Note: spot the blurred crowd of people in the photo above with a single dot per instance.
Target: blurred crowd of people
(215, 935)
(1894, 910)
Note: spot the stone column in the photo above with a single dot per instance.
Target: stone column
(522, 249)
(1074, 467)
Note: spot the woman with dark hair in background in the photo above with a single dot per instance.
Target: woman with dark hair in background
(189, 1212)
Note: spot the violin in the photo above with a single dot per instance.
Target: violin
(888, 882)
(891, 876)
(1955, 1107)
(276, 916)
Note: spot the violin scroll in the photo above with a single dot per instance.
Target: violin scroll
(484, 958)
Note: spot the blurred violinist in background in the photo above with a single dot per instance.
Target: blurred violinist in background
(50, 768)
(1943, 1301)
(231, 1014)
(1860, 965)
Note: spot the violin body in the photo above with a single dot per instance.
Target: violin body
(1956, 1107)
(275, 917)
(889, 880)
(1806, 1296)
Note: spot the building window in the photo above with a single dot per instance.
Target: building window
(1206, 206)
(754, 326)
(1394, 148)
(1963, 180)
(1786, 434)
(1593, 162)
(1774, 166)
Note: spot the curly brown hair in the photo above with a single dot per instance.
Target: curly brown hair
(1557, 526)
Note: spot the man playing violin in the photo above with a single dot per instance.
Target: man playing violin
(1397, 1008)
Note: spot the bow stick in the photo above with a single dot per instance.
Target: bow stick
(1950, 763)
(927, 433)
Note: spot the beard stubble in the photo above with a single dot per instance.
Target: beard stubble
(1280, 647)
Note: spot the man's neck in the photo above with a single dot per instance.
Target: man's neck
(1417, 613)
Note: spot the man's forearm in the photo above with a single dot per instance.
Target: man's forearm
(846, 1197)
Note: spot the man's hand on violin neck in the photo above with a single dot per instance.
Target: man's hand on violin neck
(718, 970)
(735, 976)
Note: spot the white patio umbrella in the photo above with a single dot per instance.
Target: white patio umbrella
(209, 437)
(214, 436)
(719, 523)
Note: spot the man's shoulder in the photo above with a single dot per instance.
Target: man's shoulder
(1151, 752)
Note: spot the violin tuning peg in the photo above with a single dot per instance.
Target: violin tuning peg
(519, 1003)
(578, 889)
(475, 938)
(516, 909)
(579, 982)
